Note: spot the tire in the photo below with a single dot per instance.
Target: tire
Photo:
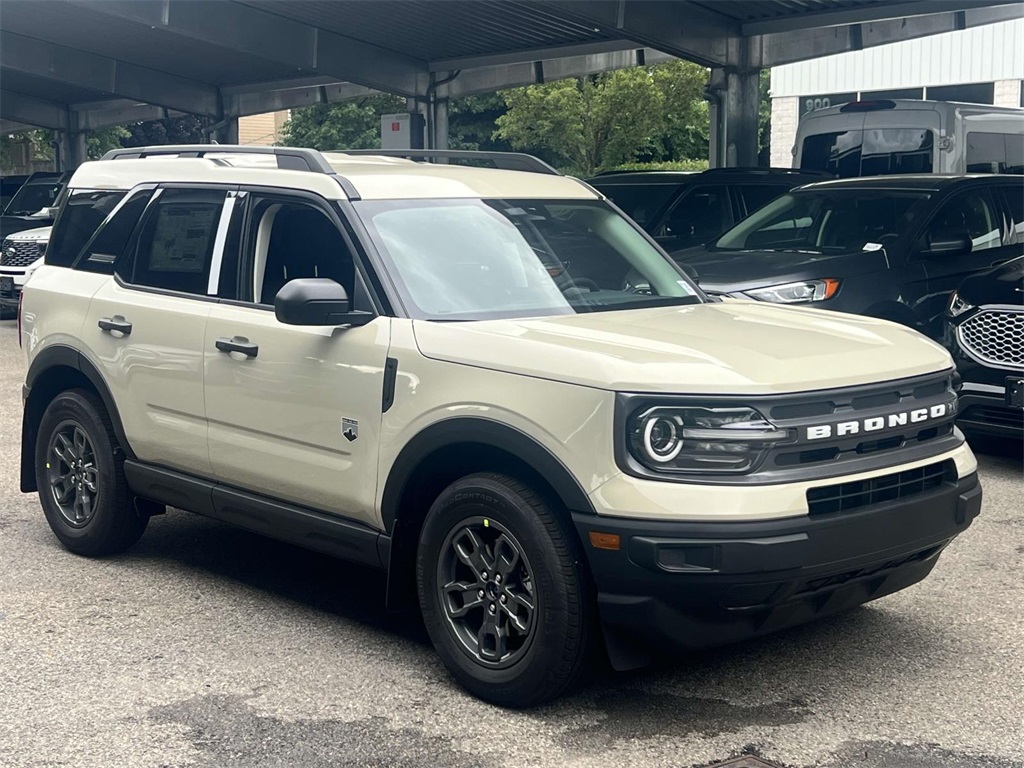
(531, 651)
(95, 516)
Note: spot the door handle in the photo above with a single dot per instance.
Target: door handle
(238, 344)
(115, 323)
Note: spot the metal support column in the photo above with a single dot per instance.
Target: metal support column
(226, 130)
(741, 102)
(439, 124)
(73, 150)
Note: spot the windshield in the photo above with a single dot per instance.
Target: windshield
(873, 152)
(826, 221)
(32, 198)
(491, 259)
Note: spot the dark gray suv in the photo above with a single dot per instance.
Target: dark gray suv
(680, 209)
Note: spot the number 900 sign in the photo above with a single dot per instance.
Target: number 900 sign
(821, 102)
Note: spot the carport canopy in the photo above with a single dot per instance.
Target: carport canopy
(76, 65)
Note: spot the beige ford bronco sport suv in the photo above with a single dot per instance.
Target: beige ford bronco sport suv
(488, 383)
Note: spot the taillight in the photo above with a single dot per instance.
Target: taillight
(21, 300)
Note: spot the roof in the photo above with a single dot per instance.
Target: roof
(207, 57)
(677, 177)
(364, 177)
(932, 181)
(917, 104)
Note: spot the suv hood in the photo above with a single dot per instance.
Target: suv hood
(1002, 285)
(727, 347)
(729, 271)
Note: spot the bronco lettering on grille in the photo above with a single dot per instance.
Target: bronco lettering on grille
(876, 423)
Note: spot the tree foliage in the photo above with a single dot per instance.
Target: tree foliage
(187, 129)
(351, 124)
(586, 123)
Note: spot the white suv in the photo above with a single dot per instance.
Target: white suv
(488, 383)
(21, 254)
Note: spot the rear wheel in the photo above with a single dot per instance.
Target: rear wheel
(504, 593)
(80, 476)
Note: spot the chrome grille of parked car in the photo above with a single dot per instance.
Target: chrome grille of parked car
(995, 337)
(21, 253)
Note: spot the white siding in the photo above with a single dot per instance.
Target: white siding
(977, 55)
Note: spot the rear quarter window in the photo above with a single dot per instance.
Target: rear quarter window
(82, 214)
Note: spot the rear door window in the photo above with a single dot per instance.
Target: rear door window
(176, 244)
(641, 202)
(698, 216)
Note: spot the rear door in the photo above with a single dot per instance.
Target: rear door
(145, 328)
(296, 415)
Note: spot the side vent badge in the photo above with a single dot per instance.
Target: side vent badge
(350, 429)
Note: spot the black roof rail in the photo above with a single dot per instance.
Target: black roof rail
(507, 161)
(288, 158)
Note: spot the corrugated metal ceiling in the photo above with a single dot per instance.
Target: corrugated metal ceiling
(431, 30)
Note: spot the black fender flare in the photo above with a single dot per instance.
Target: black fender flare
(472, 429)
(60, 356)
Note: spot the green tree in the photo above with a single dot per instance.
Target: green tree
(102, 140)
(764, 120)
(588, 123)
(471, 122)
(187, 129)
(686, 132)
(351, 124)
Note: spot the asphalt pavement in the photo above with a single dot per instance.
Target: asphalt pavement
(211, 647)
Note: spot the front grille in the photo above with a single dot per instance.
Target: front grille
(845, 497)
(995, 337)
(19, 253)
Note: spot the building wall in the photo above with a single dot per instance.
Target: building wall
(982, 64)
(976, 55)
(784, 120)
(261, 130)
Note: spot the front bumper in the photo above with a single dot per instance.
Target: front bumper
(691, 585)
(10, 288)
(984, 410)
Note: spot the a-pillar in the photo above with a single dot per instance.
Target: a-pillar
(735, 98)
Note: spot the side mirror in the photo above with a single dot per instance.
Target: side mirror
(316, 301)
(947, 245)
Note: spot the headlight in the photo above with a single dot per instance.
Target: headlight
(795, 293)
(957, 306)
(699, 439)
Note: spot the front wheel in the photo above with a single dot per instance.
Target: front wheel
(504, 591)
(80, 477)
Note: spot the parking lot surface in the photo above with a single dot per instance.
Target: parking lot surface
(209, 646)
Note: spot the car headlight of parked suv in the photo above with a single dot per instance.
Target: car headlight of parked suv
(957, 306)
(700, 439)
(795, 293)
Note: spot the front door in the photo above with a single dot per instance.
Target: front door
(973, 218)
(295, 412)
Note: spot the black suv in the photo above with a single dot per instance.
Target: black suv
(34, 204)
(893, 247)
(985, 335)
(681, 209)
